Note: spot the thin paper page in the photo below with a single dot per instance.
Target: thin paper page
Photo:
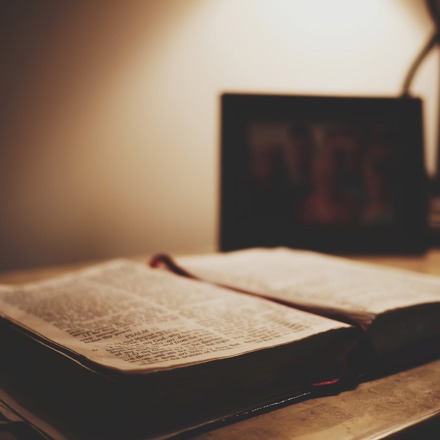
(129, 317)
(313, 279)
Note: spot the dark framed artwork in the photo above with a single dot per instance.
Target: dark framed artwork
(337, 174)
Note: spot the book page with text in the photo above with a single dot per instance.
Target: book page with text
(126, 316)
(312, 279)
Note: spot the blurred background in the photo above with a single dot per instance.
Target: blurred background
(109, 110)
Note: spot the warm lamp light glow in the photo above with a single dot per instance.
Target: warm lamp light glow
(110, 145)
(341, 25)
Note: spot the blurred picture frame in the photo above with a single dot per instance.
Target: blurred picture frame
(333, 174)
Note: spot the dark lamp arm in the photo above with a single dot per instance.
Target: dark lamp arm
(432, 42)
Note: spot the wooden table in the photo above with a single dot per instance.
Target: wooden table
(400, 406)
(404, 405)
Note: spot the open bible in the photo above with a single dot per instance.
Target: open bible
(122, 351)
(398, 310)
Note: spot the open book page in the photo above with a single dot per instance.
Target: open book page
(312, 279)
(129, 317)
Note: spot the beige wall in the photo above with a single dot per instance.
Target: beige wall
(109, 109)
